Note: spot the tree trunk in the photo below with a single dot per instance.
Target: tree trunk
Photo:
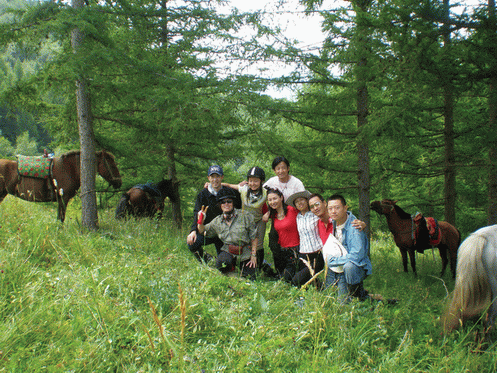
(89, 216)
(362, 113)
(176, 205)
(492, 110)
(172, 175)
(449, 162)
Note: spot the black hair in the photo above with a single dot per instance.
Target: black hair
(273, 212)
(278, 160)
(316, 195)
(338, 197)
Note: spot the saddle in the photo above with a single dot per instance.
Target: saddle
(434, 232)
(34, 166)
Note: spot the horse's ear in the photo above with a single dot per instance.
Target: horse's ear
(394, 202)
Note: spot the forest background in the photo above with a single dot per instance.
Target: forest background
(397, 102)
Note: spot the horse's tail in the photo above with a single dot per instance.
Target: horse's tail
(472, 293)
(122, 206)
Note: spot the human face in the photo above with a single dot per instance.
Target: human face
(337, 211)
(254, 183)
(226, 205)
(215, 181)
(274, 201)
(317, 206)
(281, 170)
(301, 204)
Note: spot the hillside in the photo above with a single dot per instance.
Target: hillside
(131, 298)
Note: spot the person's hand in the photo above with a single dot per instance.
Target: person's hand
(253, 262)
(206, 185)
(359, 224)
(244, 182)
(192, 237)
(201, 215)
(265, 217)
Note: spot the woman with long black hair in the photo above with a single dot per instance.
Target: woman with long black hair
(284, 219)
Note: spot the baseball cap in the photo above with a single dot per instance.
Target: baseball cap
(215, 169)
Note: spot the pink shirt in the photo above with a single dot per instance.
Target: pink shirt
(287, 228)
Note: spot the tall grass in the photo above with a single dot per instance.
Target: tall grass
(131, 298)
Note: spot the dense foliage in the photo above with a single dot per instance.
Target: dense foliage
(171, 89)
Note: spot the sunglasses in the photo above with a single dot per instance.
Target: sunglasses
(226, 201)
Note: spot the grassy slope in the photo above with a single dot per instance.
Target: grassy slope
(131, 298)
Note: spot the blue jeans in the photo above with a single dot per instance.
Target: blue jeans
(352, 275)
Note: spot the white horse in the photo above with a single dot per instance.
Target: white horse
(476, 280)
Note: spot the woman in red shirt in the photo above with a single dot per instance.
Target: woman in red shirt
(285, 222)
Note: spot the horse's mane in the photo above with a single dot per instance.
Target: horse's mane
(402, 214)
(73, 153)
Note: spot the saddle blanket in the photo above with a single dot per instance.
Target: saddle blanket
(150, 188)
(434, 231)
(38, 167)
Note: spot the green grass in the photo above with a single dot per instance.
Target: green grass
(131, 298)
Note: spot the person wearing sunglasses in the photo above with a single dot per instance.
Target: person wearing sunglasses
(208, 197)
(237, 231)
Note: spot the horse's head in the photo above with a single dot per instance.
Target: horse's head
(384, 207)
(167, 189)
(107, 168)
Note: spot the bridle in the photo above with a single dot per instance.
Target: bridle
(107, 166)
(412, 231)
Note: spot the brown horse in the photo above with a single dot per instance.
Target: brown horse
(61, 185)
(144, 200)
(410, 237)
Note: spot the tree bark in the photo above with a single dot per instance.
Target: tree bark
(492, 110)
(89, 216)
(176, 205)
(449, 162)
(362, 114)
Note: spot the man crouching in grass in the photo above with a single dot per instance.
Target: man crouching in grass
(238, 232)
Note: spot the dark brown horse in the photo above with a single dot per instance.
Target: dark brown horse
(145, 200)
(62, 183)
(411, 236)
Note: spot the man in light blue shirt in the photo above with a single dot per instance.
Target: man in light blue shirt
(356, 263)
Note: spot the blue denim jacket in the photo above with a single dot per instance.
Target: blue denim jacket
(357, 245)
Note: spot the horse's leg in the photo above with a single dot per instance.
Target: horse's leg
(61, 210)
(443, 255)
(404, 259)
(412, 257)
(453, 258)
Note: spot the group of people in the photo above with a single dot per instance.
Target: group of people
(308, 233)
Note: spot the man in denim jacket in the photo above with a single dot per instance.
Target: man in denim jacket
(356, 263)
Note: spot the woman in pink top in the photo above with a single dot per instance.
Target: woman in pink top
(285, 222)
